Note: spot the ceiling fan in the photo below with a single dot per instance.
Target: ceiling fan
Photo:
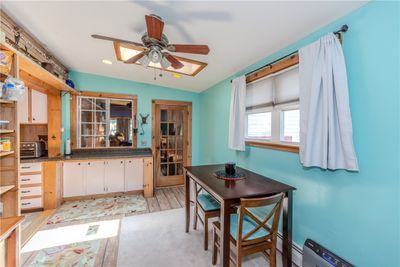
(157, 47)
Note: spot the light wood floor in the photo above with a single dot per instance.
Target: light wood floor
(164, 199)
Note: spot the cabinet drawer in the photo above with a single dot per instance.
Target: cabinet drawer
(31, 203)
(30, 179)
(31, 191)
(30, 167)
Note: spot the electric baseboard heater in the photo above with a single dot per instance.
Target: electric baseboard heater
(315, 255)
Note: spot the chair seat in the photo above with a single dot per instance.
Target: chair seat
(207, 202)
(248, 226)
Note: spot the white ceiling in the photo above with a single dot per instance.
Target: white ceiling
(239, 33)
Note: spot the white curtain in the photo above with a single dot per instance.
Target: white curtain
(325, 123)
(237, 114)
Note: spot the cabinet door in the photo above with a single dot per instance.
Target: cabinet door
(114, 176)
(23, 108)
(94, 174)
(39, 107)
(73, 179)
(133, 174)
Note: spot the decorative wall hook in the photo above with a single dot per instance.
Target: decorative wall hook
(143, 121)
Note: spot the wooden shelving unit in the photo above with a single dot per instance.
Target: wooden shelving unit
(32, 73)
(5, 131)
(6, 153)
(5, 188)
(9, 160)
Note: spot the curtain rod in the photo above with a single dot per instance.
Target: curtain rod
(342, 29)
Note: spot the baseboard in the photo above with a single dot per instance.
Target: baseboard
(297, 252)
(116, 194)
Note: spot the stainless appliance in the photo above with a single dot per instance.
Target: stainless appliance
(34, 149)
(315, 255)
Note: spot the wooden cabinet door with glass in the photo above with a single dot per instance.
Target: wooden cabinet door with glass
(172, 141)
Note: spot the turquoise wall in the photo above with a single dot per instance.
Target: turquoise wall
(354, 214)
(145, 94)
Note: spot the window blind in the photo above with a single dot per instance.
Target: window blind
(278, 88)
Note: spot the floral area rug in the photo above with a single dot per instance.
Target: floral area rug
(76, 254)
(94, 208)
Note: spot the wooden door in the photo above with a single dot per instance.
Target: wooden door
(94, 176)
(133, 174)
(114, 175)
(39, 107)
(73, 182)
(171, 141)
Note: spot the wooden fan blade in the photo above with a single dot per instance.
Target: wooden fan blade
(192, 49)
(135, 58)
(175, 63)
(155, 27)
(101, 37)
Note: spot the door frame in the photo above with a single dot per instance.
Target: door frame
(187, 161)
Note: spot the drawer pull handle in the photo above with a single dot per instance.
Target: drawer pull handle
(25, 167)
(27, 203)
(28, 191)
(25, 179)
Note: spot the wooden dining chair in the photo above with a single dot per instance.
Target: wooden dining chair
(206, 207)
(254, 229)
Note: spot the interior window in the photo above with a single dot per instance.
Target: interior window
(272, 108)
(104, 122)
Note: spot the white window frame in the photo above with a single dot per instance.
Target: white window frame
(276, 124)
(254, 111)
(107, 121)
(287, 107)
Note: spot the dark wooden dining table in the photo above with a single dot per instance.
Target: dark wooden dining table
(228, 193)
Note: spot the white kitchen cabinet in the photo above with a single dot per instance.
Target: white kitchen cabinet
(114, 176)
(133, 174)
(94, 175)
(39, 107)
(73, 179)
(23, 106)
(102, 177)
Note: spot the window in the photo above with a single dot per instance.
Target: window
(272, 108)
(259, 125)
(291, 126)
(104, 122)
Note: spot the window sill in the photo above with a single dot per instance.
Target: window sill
(275, 146)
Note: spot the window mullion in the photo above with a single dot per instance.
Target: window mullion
(275, 125)
(108, 103)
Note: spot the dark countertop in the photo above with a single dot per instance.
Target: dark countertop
(87, 154)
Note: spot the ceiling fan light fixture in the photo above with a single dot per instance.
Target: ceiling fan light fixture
(155, 55)
(165, 63)
(145, 60)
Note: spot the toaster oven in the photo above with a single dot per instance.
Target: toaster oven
(34, 149)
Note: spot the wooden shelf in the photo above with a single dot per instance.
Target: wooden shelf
(34, 73)
(6, 188)
(5, 131)
(6, 153)
(9, 224)
(5, 101)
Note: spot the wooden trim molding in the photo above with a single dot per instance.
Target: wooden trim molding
(201, 65)
(275, 146)
(270, 69)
